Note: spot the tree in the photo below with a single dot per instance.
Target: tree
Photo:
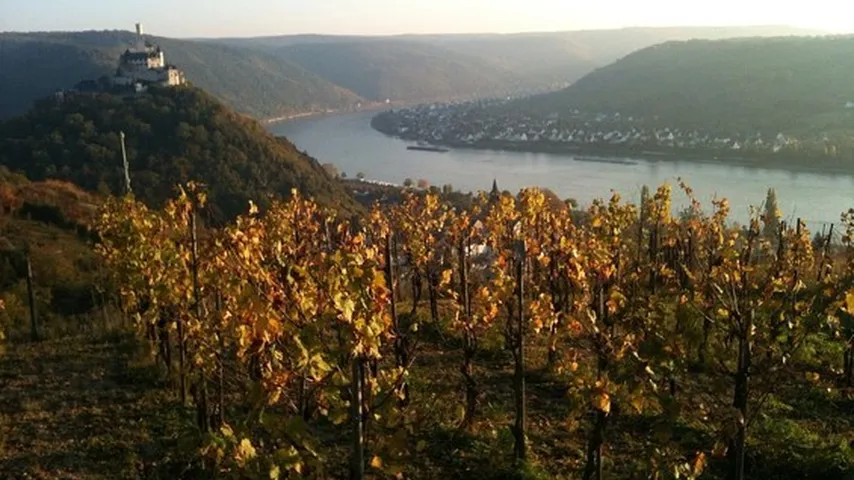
(644, 197)
(331, 170)
(408, 183)
(771, 217)
(227, 152)
(360, 176)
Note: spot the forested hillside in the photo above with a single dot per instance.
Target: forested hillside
(277, 76)
(558, 58)
(251, 81)
(401, 70)
(792, 85)
(524, 62)
(173, 136)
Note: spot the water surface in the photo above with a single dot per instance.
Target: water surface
(349, 142)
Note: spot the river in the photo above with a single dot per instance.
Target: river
(348, 142)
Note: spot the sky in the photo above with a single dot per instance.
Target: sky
(218, 18)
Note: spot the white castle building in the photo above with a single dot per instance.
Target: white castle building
(144, 65)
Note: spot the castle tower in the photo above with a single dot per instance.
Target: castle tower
(140, 42)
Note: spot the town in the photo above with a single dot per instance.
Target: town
(495, 124)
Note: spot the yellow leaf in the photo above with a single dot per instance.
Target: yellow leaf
(849, 302)
(377, 462)
(602, 402)
(245, 452)
(446, 277)
(699, 464)
(637, 403)
(379, 279)
(461, 412)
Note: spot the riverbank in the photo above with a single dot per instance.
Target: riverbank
(606, 153)
(370, 107)
(776, 161)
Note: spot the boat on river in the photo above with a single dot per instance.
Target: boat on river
(423, 147)
(617, 161)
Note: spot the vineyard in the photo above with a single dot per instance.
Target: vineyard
(519, 337)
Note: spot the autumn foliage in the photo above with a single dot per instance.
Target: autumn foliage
(305, 312)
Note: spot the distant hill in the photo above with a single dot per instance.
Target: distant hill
(401, 70)
(252, 81)
(415, 67)
(173, 136)
(277, 76)
(556, 58)
(794, 85)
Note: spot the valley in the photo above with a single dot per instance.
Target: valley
(353, 146)
(593, 254)
(274, 77)
(779, 103)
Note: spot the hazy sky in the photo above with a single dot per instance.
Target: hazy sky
(189, 18)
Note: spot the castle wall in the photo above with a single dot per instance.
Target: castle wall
(122, 80)
(146, 65)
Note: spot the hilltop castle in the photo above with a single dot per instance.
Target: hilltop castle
(145, 65)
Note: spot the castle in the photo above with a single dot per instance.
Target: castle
(145, 65)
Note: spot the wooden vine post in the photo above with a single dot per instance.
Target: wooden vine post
(520, 428)
(31, 295)
(203, 419)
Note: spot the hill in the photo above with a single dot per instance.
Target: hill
(284, 75)
(173, 136)
(552, 59)
(252, 81)
(401, 70)
(49, 222)
(417, 67)
(798, 86)
(63, 397)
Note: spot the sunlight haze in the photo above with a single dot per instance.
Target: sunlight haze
(215, 18)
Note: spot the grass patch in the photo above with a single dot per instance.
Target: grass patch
(74, 409)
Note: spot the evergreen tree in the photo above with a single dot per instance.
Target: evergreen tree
(771, 217)
(644, 195)
(644, 198)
